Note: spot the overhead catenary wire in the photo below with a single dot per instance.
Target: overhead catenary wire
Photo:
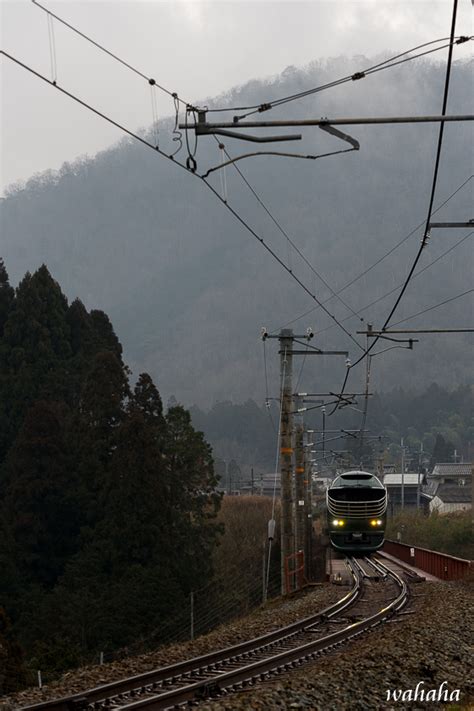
(417, 274)
(191, 164)
(431, 308)
(377, 262)
(213, 190)
(101, 47)
(290, 241)
(381, 66)
(426, 234)
(52, 49)
(188, 168)
(431, 200)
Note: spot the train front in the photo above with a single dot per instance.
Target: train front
(357, 512)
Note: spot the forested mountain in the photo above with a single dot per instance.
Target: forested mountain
(188, 289)
(103, 493)
(244, 435)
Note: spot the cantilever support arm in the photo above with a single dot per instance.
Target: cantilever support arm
(202, 131)
(339, 134)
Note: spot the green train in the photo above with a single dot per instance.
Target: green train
(356, 512)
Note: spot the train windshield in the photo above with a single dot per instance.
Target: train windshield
(357, 479)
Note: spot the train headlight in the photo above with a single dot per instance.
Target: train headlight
(376, 522)
(338, 522)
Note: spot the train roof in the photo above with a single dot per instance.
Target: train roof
(357, 478)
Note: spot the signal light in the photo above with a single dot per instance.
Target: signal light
(376, 522)
(338, 522)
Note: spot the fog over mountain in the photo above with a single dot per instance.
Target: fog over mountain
(188, 289)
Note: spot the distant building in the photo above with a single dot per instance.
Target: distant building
(321, 483)
(449, 487)
(449, 472)
(270, 483)
(393, 484)
(451, 497)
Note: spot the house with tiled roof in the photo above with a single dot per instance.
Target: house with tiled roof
(451, 497)
(447, 472)
(449, 487)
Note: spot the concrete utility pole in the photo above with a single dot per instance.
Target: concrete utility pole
(286, 339)
(308, 513)
(300, 527)
(286, 451)
(403, 475)
(418, 488)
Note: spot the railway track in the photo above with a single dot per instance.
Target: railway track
(377, 594)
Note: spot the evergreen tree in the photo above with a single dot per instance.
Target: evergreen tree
(39, 501)
(192, 485)
(34, 348)
(7, 294)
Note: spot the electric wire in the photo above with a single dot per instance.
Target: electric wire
(431, 308)
(52, 49)
(431, 201)
(188, 167)
(417, 274)
(303, 362)
(290, 241)
(386, 64)
(107, 51)
(376, 263)
(223, 201)
(177, 134)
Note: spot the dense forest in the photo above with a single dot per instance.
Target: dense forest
(107, 502)
(188, 289)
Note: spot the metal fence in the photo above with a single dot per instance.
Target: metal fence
(442, 566)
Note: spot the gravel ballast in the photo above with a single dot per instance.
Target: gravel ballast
(276, 613)
(432, 646)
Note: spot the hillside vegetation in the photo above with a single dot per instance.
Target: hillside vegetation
(188, 289)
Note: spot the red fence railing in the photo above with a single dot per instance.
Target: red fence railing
(445, 567)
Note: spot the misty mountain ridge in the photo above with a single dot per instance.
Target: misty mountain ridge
(188, 289)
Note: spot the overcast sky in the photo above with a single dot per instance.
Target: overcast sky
(197, 49)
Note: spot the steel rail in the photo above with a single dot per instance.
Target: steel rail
(157, 676)
(284, 661)
(112, 694)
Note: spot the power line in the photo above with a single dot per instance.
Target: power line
(436, 306)
(189, 168)
(376, 263)
(190, 161)
(434, 184)
(431, 201)
(417, 274)
(150, 80)
(290, 241)
(259, 108)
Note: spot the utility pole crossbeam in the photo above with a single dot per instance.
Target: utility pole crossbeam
(419, 330)
(202, 127)
(455, 225)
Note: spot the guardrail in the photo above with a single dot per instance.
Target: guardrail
(442, 566)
